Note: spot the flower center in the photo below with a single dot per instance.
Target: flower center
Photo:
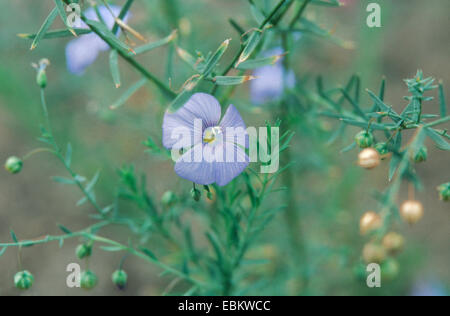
(212, 134)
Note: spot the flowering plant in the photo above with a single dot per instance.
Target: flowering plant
(214, 235)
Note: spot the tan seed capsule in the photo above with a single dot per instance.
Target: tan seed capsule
(393, 242)
(373, 253)
(369, 158)
(411, 211)
(370, 222)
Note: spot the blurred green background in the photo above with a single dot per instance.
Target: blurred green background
(332, 191)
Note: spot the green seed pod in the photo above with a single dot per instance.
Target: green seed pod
(23, 280)
(13, 165)
(421, 155)
(169, 199)
(382, 149)
(364, 139)
(120, 279)
(88, 280)
(196, 194)
(84, 251)
(444, 191)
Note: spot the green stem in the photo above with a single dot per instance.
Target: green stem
(163, 87)
(59, 155)
(299, 13)
(236, 58)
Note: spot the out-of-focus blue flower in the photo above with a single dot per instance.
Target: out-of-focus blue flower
(83, 51)
(271, 80)
(428, 288)
(209, 136)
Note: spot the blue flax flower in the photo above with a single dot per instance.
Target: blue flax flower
(84, 50)
(213, 150)
(271, 80)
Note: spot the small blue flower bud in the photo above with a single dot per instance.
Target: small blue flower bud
(23, 280)
(421, 155)
(120, 279)
(88, 280)
(364, 139)
(14, 165)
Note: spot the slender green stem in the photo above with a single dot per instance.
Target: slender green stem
(236, 57)
(438, 122)
(57, 152)
(299, 13)
(147, 74)
(36, 151)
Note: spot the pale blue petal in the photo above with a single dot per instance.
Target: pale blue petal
(232, 118)
(197, 172)
(225, 172)
(200, 106)
(81, 53)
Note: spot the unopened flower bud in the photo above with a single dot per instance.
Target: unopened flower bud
(14, 165)
(41, 78)
(364, 139)
(169, 199)
(373, 253)
(421, 155)
(120, 279)
(370, 222)
(23, 280)
(88, 280)
(369, 158)
(84, 251)
(382, 149)
(196, 194)
(393, 242)
(444, 191)
(411, 211)
(389, 270)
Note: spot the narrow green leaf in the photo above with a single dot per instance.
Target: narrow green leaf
(45, 26)
(355, 105)
(122, 15)
(231, 80)
(260, 62)
(64, 229)
(250, 47)
(393, 166)
(93, 182)
(442, 104)
(55, 34)
(149, 253)
(440, 142)
(63, 180)
(132, 90)
(111, 248)
(212, 62)
(109, 36)
(14, 237)
(150, 46)
(68, 157)
(114, 67)
(348, 148)
(2, 251)
(62, 13)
